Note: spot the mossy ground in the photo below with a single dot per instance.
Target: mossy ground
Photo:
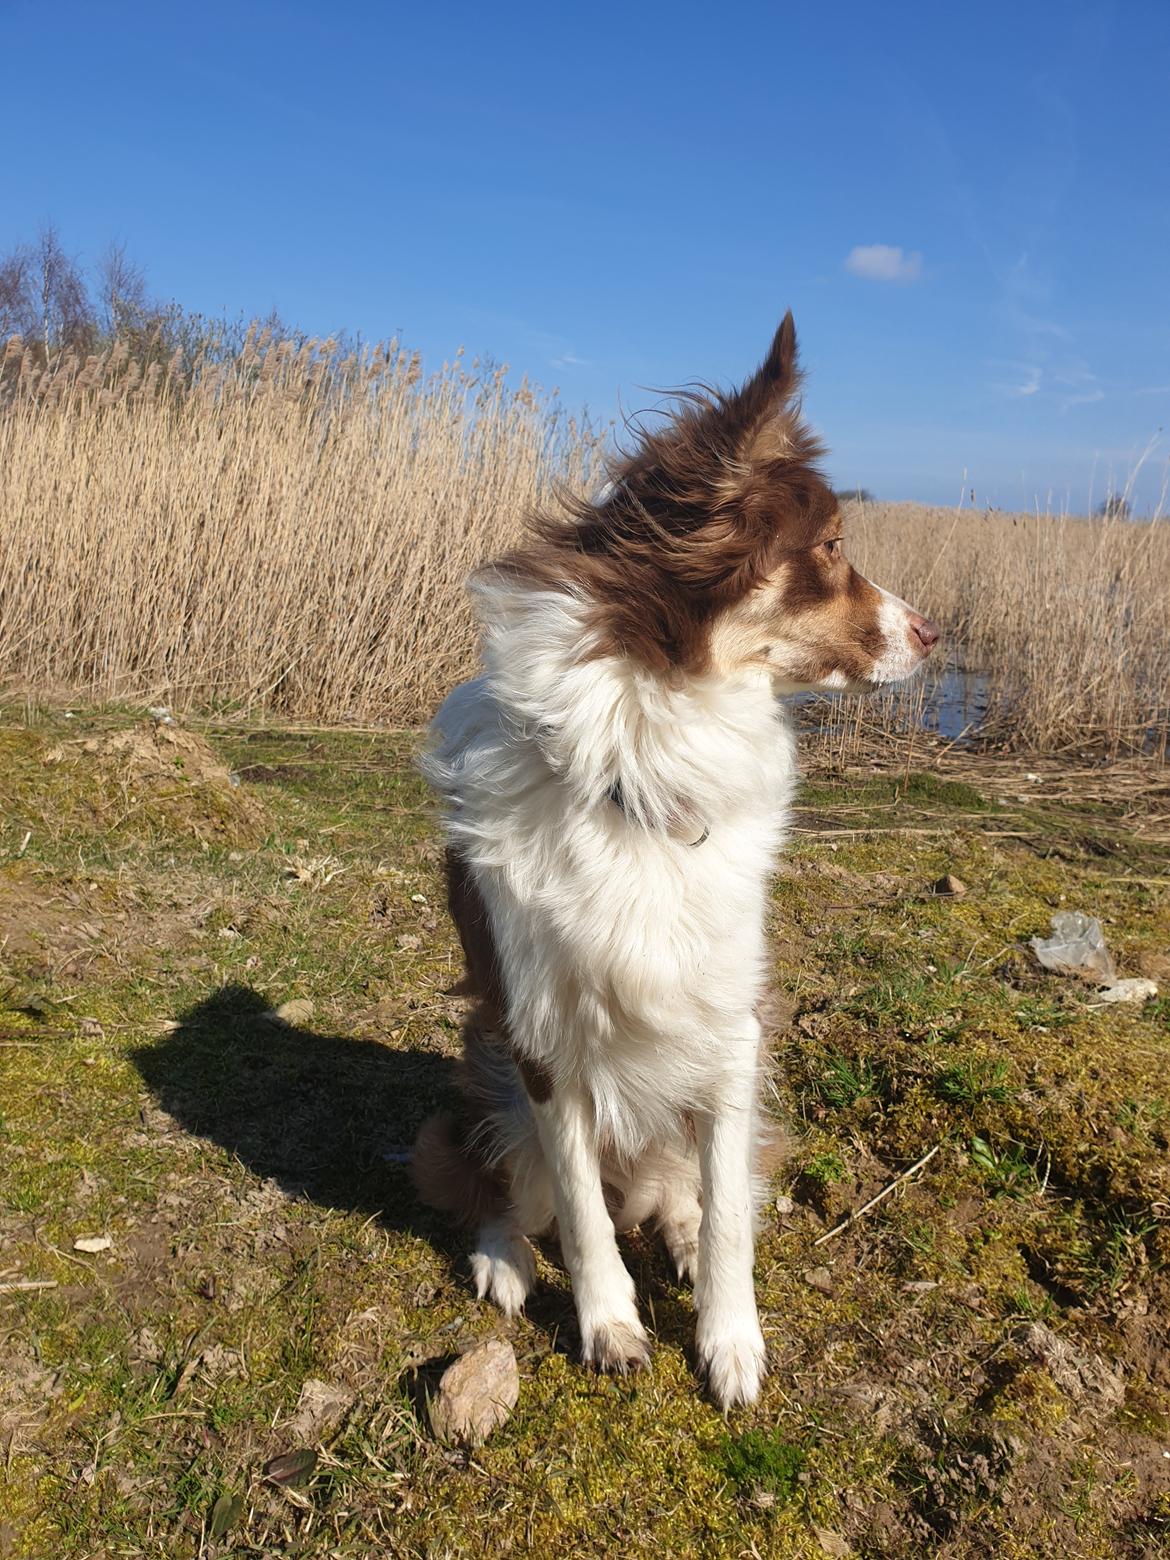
(982, 1369)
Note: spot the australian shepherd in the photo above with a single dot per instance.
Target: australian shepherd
(616, 787)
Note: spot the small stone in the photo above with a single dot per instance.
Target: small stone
(294, 1012)
(1134, 989)
(784, 1206)
(91, 1026)
(950, 885)
(418, 899)
(819, 1278)
(92, 1244)
(476, 1394)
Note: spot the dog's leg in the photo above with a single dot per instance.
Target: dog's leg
(503, 1264)
(612, 1336)
(680, 1220)
(670, 1182)
(730, 1344)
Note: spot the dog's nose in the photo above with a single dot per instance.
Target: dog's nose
(925, 630)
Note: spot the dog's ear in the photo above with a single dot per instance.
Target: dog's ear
(761, 415)
(726, 454)
(775, 381)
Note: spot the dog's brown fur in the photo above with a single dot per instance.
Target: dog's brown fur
(696, 519)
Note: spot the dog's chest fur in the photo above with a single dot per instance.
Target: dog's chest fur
(631, 958)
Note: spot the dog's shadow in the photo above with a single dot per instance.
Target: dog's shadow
(327, 1117)
(331, 1119)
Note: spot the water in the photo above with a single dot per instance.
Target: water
(951, 702)
(956, 703)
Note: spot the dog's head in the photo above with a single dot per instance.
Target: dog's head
(717, 547)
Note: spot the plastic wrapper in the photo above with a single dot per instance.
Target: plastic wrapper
(1076, 947)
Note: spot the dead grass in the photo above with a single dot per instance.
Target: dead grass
(287, 532)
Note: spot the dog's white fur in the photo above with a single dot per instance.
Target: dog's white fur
(633, 961)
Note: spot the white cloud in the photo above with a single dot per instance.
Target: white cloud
(884, 263)
(1023, 379)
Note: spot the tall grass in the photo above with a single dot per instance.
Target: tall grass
(286, 529)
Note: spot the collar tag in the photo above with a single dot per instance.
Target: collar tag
(615, 795)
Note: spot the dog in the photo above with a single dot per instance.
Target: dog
(616, 787)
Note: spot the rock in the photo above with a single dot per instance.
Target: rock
(320, 1409)
(819, 1278)
(293, 1013)
(92, 1243)
(1132, 989)
(950, 885)
(784, 1206)
(476, 1394)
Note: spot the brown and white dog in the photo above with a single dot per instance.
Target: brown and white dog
(616, 787)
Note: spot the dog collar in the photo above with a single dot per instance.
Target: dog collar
(616, 796)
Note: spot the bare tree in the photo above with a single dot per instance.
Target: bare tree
(121, 293)
(66, 315)
(44, 298)
(18, 311)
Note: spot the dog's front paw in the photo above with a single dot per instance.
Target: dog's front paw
(734, 1361)
(617, 1345)
(503, 1267)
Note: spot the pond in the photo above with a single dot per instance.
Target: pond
(951, 702)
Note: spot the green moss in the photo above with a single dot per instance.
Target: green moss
(758, 1460)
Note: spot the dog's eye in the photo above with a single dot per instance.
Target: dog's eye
(833, 548)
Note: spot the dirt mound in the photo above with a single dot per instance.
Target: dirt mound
(160, 773)
(156, 749)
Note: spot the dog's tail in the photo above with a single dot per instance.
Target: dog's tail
(448, 1176)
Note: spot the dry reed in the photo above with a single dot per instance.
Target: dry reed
(287, 532)
(1062, 623)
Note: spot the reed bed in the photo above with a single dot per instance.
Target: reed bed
(1057, 627)
(285, 531)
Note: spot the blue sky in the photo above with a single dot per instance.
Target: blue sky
(966, 207)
